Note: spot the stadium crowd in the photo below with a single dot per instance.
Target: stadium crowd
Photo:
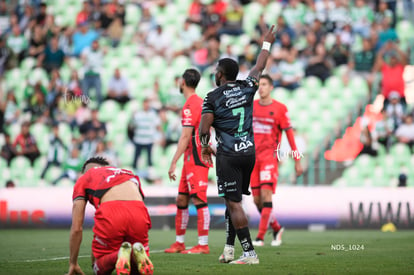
(314, 38)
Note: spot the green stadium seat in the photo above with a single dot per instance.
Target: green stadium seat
(53, 173)
(108, 110)
(27, 64)
(401, 151)
(28, 178)
(19, 164)
(365, 165)
(312, 84)
(133, 14)
(339, 182)
(334, 84)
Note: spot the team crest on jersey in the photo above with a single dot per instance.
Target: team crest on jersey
(187, 112)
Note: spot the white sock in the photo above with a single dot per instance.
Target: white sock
(250, 253)
(179, 239)
(203, 240)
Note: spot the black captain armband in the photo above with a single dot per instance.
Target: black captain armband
(205, 139)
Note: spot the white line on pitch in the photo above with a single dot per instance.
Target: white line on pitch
(66, 258)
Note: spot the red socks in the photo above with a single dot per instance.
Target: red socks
(105, 264)
(203, 223)
(181, 221)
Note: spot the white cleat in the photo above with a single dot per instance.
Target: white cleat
(258, 242)
(277, 237)
(227, 256)
(246, 260)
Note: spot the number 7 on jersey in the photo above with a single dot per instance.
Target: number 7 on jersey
(240, 111)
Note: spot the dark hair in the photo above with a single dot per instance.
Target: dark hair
(191, 78)
(98, 160)
(267, 77)
(229, 68)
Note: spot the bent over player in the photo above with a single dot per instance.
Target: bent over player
(270, 118)
(121, 220)
(229, 109)
(194, 175)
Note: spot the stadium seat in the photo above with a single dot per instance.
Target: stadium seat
(133, 14)
(108, 110)
(53, 173)
(19, 164)
(312, 83)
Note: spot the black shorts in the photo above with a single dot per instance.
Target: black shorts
(233, 175)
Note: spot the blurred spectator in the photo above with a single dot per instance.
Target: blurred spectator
(37, 42)
(292, 72)
(392, 72)
(395, 110)
(105, 19)
(52, 57)
(95, 125)
(282, 28)
(66, 41)
(103, 150)
(118, 88)
(386, 33)
(346, 34)
(26, 17)
(339, 52)
(367, 142)
(233, 19)
(8, 152)
(37, 106)
(174, 99)
(194, 11)
(210, 21)
(56, 151)
(189, 35)
(146, 125)
(405, 133)
(147, 22)
(294, 14)
(115, 31)
(25, 144)
(362, 18)
(10, 184)
(84, 14)
(408, 7)
(17, 43)
(12, 111)
(65, 106)
(171, 127)
(383, 12)
(244, 69)
(41, 16)
(92, 59)
(55, 86)
(83, 38)
(71, 167)
(75, 85)
(7, 58)
(206, 54)
(83, 114)
(384, 129)
(158, 43)
(88, 144)
(282, 50)
(362, 63)
(320, 64)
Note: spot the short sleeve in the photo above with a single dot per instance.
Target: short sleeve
(79, 192)
(187, 114)
(285, 119)
(252, 82)
(208, 104)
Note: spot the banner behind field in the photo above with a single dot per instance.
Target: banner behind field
(295, 207)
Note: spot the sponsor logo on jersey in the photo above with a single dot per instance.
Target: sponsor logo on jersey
(234, 102)
(243, 145)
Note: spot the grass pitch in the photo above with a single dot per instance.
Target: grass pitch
(330, 252)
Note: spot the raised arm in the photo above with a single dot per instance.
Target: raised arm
(269, 38)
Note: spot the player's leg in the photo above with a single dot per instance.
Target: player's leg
(242, 169)
(107, 239)
(137, 235)
(198, 183)
(266, 197)
(228, 252)
(181, 218)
